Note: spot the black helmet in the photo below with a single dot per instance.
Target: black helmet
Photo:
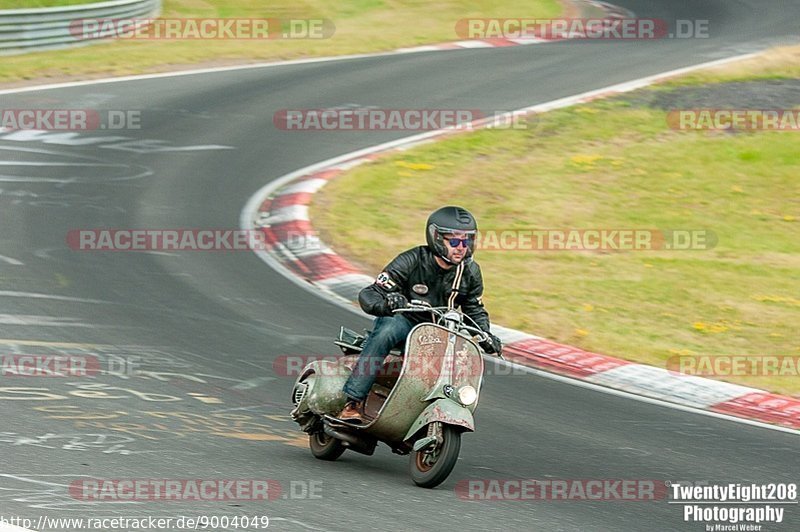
(446, 220)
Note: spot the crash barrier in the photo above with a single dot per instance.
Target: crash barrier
(27, 30)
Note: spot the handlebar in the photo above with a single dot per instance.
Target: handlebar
(420, 306)
(416, 306)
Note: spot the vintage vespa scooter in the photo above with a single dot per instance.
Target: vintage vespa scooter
(420, 402)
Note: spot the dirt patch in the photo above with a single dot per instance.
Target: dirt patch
(758, 94)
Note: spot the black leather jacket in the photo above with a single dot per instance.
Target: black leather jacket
(416, 275)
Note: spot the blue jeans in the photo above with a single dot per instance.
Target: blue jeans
(387, 332)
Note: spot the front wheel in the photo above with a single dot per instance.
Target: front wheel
(429, 469)
(325, 447)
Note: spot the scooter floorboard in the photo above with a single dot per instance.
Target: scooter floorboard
(336, 422)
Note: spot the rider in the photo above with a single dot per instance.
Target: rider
(442, 273)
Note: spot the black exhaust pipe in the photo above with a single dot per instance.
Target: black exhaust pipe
(352, 441)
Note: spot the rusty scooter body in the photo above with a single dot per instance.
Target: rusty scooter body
(420, 403)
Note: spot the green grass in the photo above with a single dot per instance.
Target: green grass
(606, 165)
(361, 26)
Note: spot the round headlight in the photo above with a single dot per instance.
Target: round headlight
(467, 395)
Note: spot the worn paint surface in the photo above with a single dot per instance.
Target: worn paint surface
(424, 361)
(445, 410)
(433, 357)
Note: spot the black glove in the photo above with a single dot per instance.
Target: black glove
(492, 345)
(395, 301)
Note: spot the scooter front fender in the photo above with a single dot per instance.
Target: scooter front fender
(445, 411)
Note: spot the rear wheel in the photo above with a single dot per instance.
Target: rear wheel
(325, 447)
(429, 469)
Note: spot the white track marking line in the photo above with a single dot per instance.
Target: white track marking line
(212, 70)
(37, 163)
(36, 295)
(31, 320)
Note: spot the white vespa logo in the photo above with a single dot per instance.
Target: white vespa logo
(428, 339)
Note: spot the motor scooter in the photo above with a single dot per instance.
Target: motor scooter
(420, 404)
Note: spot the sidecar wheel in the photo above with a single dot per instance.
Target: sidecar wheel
(325, 447)
(428, 470)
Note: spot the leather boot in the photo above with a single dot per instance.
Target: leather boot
(353, 412)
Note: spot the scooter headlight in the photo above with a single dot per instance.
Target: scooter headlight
(467, 395)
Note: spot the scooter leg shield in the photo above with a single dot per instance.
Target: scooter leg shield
(446, 411)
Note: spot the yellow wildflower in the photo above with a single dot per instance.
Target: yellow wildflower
(414, 166)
